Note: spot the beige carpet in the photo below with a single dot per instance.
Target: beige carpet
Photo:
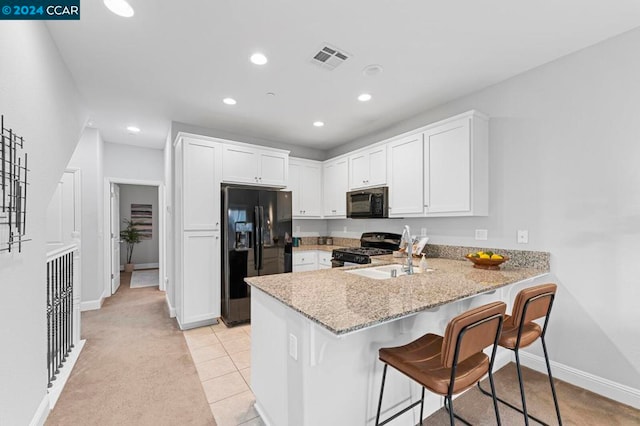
(577, 406)
(135, 368)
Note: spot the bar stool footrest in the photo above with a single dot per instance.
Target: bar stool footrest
(513, 406)
(399, 413)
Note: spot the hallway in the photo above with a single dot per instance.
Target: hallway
(135, 368)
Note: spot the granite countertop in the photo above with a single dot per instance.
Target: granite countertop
(343, 302)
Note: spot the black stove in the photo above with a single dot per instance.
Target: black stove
(372, 244)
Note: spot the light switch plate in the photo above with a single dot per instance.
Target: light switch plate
(482, 234)
(523, 236)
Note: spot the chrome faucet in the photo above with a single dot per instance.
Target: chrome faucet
(409, 267)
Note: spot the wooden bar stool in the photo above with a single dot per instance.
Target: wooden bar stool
(451, 364)
(519, 331)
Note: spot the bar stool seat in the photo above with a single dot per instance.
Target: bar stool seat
(451, 364)
(509, 338)
(421, 360)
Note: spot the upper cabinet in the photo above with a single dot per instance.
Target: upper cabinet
(305, 184)
(405, 166)
(255, 166)
(368, 168)
(335, 186)
(456, 167)
(202, 161)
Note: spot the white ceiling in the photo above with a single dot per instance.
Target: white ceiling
(176, 60)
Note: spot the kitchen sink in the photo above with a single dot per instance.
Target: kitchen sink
(384, 272)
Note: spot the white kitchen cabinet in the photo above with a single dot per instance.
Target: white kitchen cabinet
(255, 166)
(405, 173)
(305, 261)
(201, 185)
(198, 173)
(324, 259)
(368, 168)
(201, 278)
(335, 186)
(305, 184)
(456, 161)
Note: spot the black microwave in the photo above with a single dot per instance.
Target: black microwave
(368, 203)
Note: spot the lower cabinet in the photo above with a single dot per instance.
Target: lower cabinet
(200, 278)
(305, 261)
(311, 260)
(324, 259)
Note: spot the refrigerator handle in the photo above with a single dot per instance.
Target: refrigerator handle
(257, 243)
(261, 236)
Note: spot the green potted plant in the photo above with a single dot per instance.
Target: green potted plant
(130, 236)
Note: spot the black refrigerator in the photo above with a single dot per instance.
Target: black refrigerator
(256, 226)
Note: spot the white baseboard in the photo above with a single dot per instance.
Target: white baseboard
(172, 310)
(605, 387)
(65, 372)
(91, 305)
(262, 414)
(41, 414)
(143, 266)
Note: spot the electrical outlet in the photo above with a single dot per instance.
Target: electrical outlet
(482, 234)
(423, 231)
(297, 230)
(344, 229)
(523, 236)
(293, 346)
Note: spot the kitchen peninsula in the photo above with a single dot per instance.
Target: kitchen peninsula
(315, 335)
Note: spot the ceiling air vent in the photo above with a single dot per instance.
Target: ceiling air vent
(329, 57)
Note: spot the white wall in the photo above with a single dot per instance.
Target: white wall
(309, 228)
(88, 157)
(147, 250)
(132, 162)
(40, 101)
(564, 153)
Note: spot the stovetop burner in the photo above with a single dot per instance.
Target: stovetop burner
(373, 244)
(369, 251)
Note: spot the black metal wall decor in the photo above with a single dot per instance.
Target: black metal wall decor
(13, 186)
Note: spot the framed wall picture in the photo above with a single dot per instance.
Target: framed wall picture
(142, 216)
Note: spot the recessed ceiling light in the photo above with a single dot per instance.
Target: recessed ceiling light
(371, 70)
(258, 59)
(318, 123)
(229, 101)
(364, 97)
(119, 7)
(133, 129)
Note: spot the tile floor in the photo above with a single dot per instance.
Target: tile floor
(223, 359)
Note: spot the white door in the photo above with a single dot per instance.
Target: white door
(115, 237)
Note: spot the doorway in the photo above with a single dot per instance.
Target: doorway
(141, 202)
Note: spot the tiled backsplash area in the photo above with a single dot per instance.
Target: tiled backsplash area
(517, 258)
(337, 241)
